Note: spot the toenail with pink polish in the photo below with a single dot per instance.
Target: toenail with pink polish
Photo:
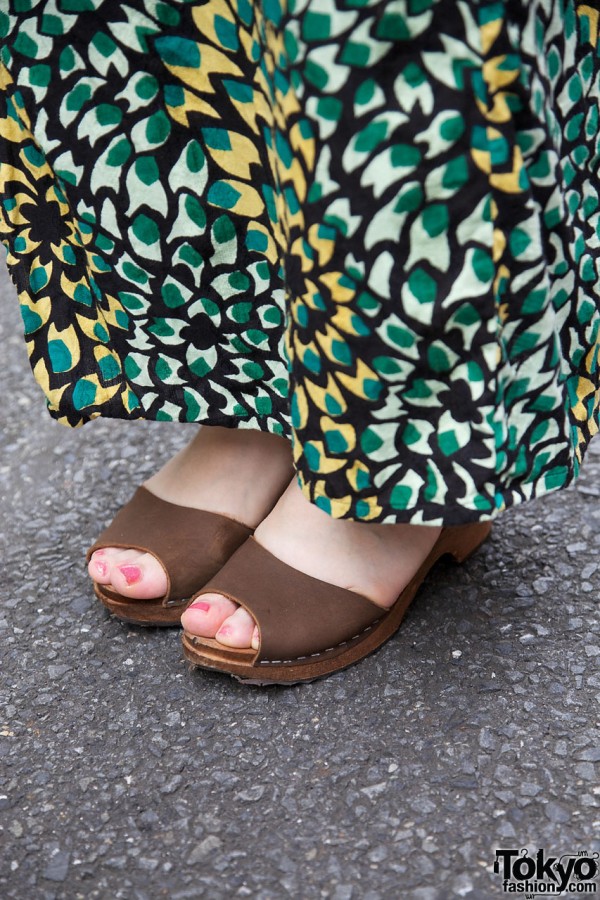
(101, 567)
(132, 574)
(225, 631)
(201, 605)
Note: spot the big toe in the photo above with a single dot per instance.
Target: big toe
(99, 566)
(130, 573)
(205, 615)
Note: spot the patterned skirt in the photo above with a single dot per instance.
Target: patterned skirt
(370, 226)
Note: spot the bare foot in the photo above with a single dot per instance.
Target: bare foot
(376, 561)
(239, 473)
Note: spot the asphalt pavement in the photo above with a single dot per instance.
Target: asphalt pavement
(125, 774)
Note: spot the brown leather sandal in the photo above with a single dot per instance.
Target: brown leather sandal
(308, 628)
(190, 544)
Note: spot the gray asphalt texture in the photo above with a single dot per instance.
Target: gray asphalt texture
(125, 774)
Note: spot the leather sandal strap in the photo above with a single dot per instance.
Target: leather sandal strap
(190, 544)
(296, 614)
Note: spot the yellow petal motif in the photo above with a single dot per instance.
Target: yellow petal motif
(41, 306)
(248, 202)
(342, 435)
(238, 158)
(592, 14)
(319, 396)
(585, 388)
(341, 506)
(355, 383)
(68, 347)
(206, 23)
(53, 395)
(192, 103)
(340, 293)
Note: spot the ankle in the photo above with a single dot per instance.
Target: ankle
(240, 474)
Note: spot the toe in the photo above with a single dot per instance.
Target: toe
(102, 562)
(137, 575)
(99, 567)
(206, 614)
(237, 630)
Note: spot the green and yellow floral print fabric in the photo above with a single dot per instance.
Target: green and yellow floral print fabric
(371, 226)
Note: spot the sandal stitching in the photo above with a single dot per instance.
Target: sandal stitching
(280, 662)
